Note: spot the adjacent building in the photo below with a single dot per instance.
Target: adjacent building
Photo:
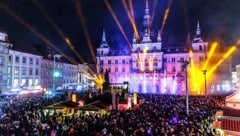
(62, 75)
(31, 70)
(149, 67)
(24, 71)
(5, 46)
(236, 77)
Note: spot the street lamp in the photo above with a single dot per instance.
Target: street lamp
(55, 74)
(205, 81)
(184, 66)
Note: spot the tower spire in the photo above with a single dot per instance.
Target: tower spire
(104, 41)
(103, 37)
(198, 30)
(147, 24)
(198, 37)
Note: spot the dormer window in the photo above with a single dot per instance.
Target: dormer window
(17, 59)
(154, 48)
(200, 48)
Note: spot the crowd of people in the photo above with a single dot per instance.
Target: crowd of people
(161, 115)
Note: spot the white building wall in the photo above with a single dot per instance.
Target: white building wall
(4, 53)
(24, 70)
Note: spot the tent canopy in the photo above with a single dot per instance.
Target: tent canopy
(61, 105)
(95, 106)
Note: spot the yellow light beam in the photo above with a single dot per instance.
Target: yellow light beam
(60, 32)
(131, 9)
(165, 16)
(131, 18)
(211, 52)
(117, 21)
(84, 26)
(192, 70)
(35, 32)
(225, 56)
(154, 8)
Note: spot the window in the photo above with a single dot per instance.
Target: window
(17, 59)
(9, 70)
(24, 60)
(200, 48)
(181, 59)
(173, 59)
(36, 82)
(123, 69)
(37, 62)
(116, 69)
(30, 71)
(24, 71)
(155, 63)
(10, 58)
(16, 70)
(130, 61)
(36, 72)
(101, 62)
(116, 61)
(182, 68)
(1, 60)
(173, 69)
(2, 38)
(123, 61)
(30, 61)
(200, 59)
(1, 75)
(164, 59)
(109, 61)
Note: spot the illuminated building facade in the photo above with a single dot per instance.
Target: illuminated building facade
(4, 53)
(29, 71)
(236, 77)
(70, 76)
(24, 71)
(151, 68)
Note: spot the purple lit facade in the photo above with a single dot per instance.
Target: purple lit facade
(149, 67)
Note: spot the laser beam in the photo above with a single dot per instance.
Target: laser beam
(59, 31)
(225, 56)
(35, 32)
(117, 22)
(84, 26)
(131, 18)
(165, 16)
(214, 45)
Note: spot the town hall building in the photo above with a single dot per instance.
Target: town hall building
(151, 68)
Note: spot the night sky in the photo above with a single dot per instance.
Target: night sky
(219, 20)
